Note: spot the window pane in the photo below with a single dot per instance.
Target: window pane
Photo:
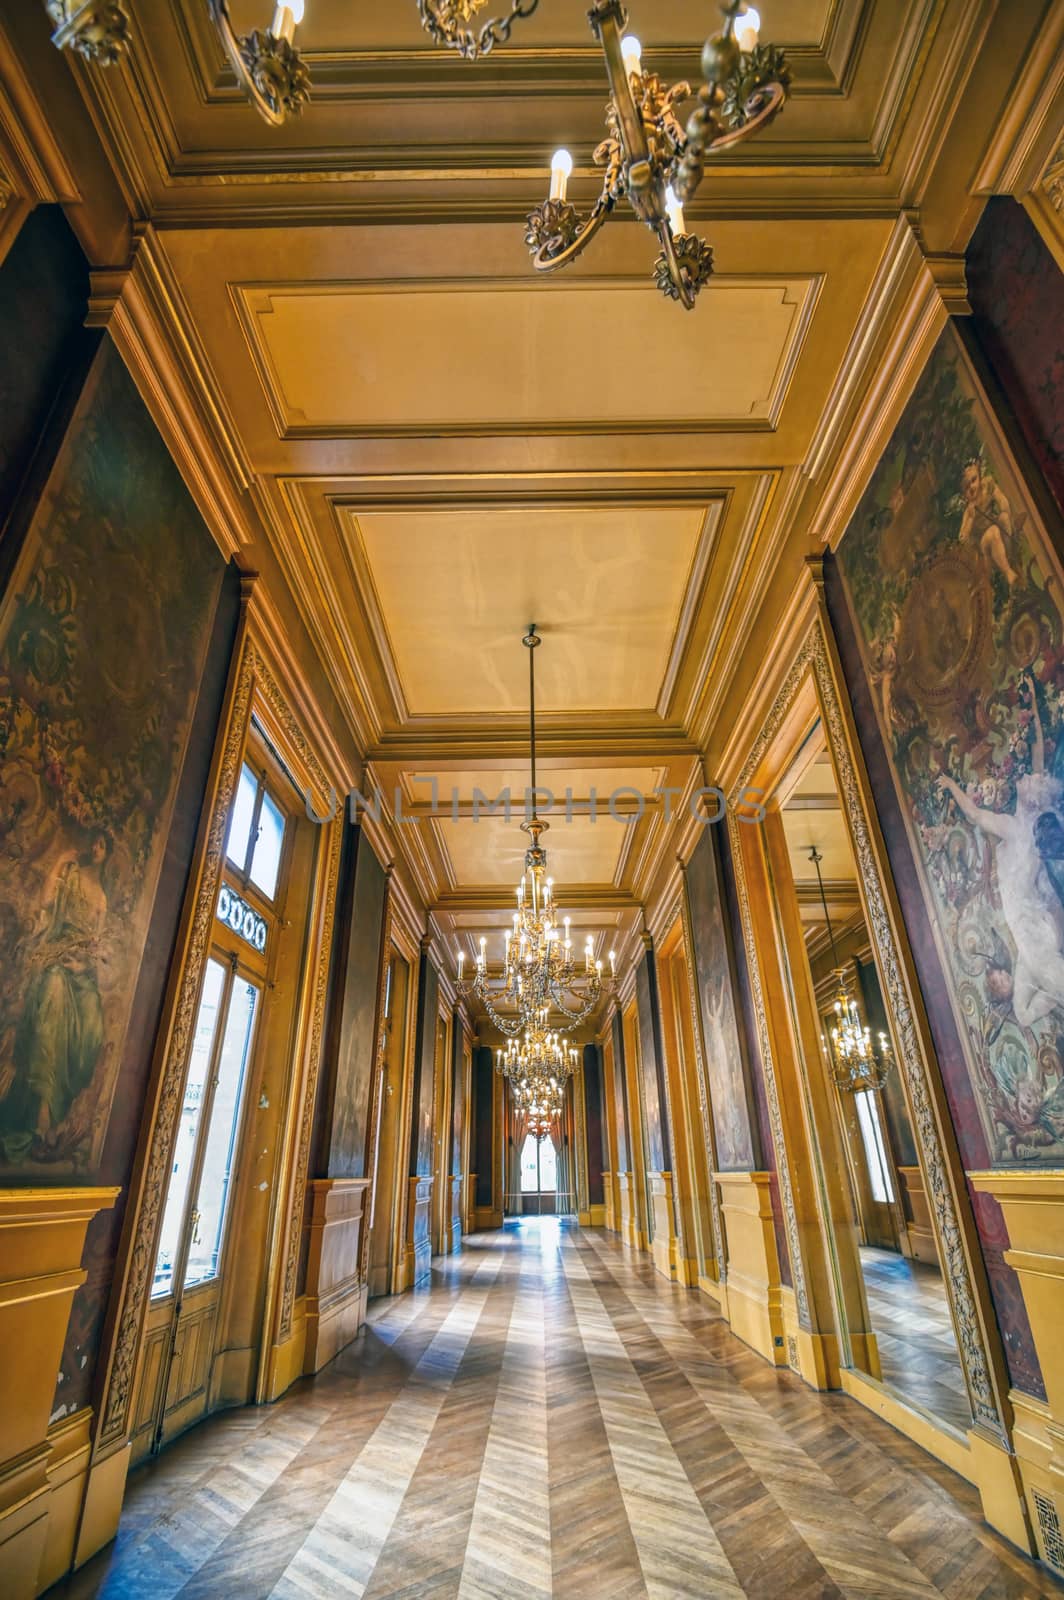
(548, 1166)
(871, 1133)
(266, 862)
(185, 1145)
(239, 836)
(529, 1170)
(215, 1179)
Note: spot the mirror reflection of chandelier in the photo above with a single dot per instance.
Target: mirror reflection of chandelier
(539, 970)
(855, 1064)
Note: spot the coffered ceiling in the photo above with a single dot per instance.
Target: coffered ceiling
(423, 446)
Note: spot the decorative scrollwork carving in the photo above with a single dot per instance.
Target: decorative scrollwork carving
(552, 227)
(96, 30)
(744, 91)
(277, 70)
(694, 264)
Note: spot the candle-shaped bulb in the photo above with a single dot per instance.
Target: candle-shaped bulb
(561, 169)
(632, 53)
(675, 212)
(286, 16)
(747, 29)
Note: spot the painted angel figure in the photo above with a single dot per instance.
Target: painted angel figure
(988, 517)
(1025, 843)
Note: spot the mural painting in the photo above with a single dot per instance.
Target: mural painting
(958, 605)
(720, 1030)
(91, 750)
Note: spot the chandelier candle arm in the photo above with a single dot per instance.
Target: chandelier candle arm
(653, 161)
(268, 64)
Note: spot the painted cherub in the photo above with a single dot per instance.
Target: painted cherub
(987, 516)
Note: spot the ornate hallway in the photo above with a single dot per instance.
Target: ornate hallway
(551, 1419)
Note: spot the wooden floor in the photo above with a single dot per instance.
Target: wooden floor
(551, 1419)
(914, 1333)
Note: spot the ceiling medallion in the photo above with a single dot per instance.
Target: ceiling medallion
(855, 1064)
(649, 158)
(538, 966)
(97, 30)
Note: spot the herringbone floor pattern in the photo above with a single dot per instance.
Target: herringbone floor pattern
(551, 1421)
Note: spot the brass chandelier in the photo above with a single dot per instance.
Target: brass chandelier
(268, 63)
(539, 1053)
(648, 157)
(653, 161)
(855, 1064)
(542, 1099)
(539, 969)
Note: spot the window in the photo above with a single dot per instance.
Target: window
(875, 1151)
(201, 1176)
(256, 833)
(216, 1177)
(539, 1166)
(185, 1144)
(530, 1166)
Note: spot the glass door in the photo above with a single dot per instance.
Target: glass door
(186, 1298)
(192, 1238)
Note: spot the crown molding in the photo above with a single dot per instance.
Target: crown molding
(141, 308)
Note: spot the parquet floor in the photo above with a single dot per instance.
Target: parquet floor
(917, 1346)
(551, 1419)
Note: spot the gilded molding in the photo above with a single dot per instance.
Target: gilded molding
(814, 657)
(708, 1131)
(7, 190)
(1053, 180)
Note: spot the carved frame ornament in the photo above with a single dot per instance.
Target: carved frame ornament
(253, 681)
(815, 658)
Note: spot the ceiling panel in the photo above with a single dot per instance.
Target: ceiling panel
(457, 589)
(371, 358)
(491, 851)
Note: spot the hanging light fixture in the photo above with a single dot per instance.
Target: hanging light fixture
(542, 1100)
(649, 158)
(539, 1052)
(268, 64)
(539, 970)
(855, 1064)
